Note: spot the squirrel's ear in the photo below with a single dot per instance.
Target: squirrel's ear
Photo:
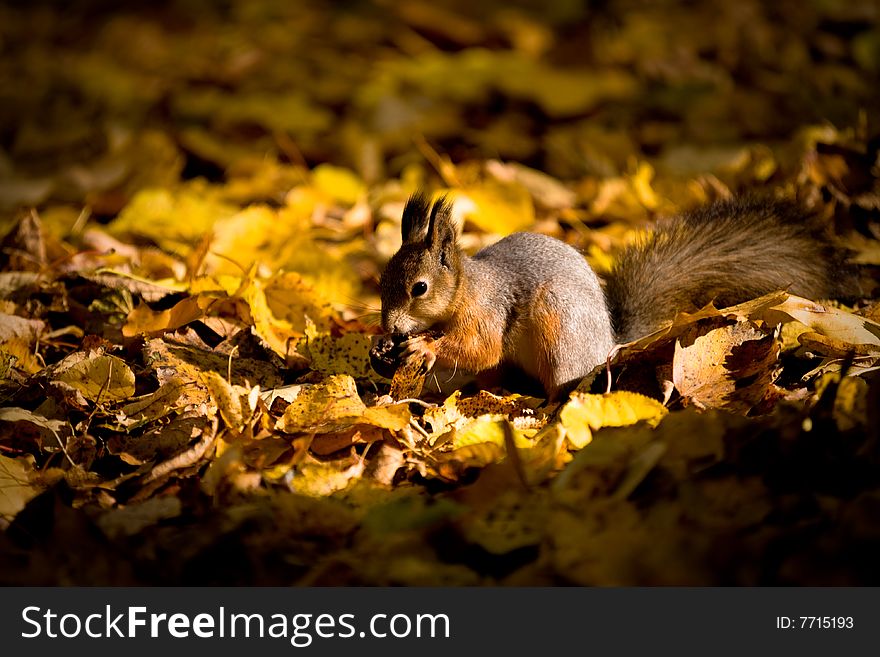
(414, 224)
(441, 231)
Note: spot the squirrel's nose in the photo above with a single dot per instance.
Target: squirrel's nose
(397, 323)
(391, 323)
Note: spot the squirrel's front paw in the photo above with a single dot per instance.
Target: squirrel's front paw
(419, 348)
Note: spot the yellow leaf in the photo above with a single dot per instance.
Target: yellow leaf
(174, 220)
(177, 365)
(319, 479)
(283, 239)
(16, 489)
(347, 354)
(408, 380)
(487, 429)
(278, 334)
(218, 283)
(248, 236)
(451, 465)
(850, 399)
(641, 183)
(340, 184)
(393, 417)
(496, 206)
(291, 298)
(20, 356)
(851, 404)
(334, 403)
(281, 309)
(154, 405)
(458, 413)
(144, 319)
(585, 413)
(228, 401)
(99, 377)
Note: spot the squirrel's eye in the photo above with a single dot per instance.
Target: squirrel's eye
(419, 289)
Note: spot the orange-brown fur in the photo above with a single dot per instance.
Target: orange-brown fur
(469, 339)
(546, 329)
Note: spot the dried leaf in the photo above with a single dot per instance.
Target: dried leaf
(98, 377)
(160, 442)
(496, 207)
(729, 367)
(334, 404)
(16, 488)
(339, 184)
(830, 322)
(318, 479)
(346, 354)
(584, 413)
(154, 405)
(226, 398)
(14, 327)
(408, 380)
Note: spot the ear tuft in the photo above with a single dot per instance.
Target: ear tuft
(414, 224)
(440, 228)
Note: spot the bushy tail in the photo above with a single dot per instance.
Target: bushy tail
(727, 252)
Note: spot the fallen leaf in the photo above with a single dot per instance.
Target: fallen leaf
(153, 405)
(495, 207)
(13, 326)
(160, 442)
(334, 404)
(16, 488)
(408, 380)
(728, 367)
(318, 479)
(98, 377)
(585, 413)
(338, 183)
(346, 354)
(226, 398)
(830, 322)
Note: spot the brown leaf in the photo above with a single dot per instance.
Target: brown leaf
(13, 326)
(24, 248)
(408, 380)
(159, 442)
(187, 458)
(729, 367)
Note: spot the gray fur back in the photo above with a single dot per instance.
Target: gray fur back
(543, 276)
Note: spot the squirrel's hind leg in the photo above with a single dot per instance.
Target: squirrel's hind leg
(570, 339)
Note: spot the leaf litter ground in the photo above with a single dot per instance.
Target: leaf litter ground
(197, 204)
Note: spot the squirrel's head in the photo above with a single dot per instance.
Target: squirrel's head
(420, 282)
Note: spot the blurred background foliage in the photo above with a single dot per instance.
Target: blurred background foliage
(98, 100)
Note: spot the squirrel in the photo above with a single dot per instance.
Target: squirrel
(533, 301)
